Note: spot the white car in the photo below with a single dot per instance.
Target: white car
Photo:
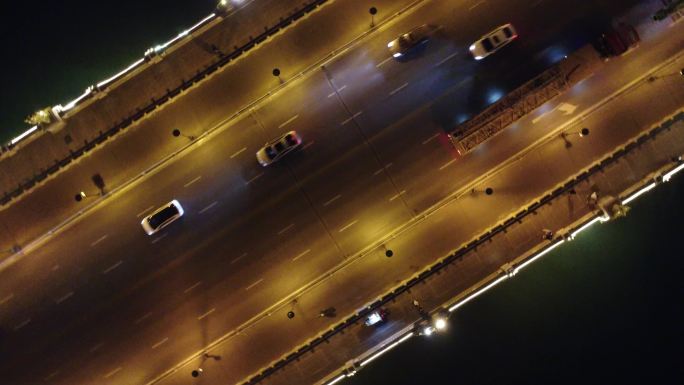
(493, 41)
(162, 217)
(277, 148)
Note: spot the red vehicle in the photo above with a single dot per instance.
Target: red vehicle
(617, 40)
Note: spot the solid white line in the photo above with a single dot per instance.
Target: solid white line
(140, 214)
(21, 325)
(51, 375)
(445, 59)
(288, 121)
(160, 343)
(253, 179)
(285, 229)
(383, 62)
(428, 140)
(64, 297)
(476, 4)
(301, 255)
(192, 181)
(192, 287)
(254, 284)
(102, 238)
(206, 314)
(447, 164)
(139, 320)
(238, 258)
(96, 347)
(236, 153)
(112, 267)
(348, 226)
(338, 196)
(7, 298)
(113, 372)
(402, 192)
(214, 203)
(159, 238)
(398, 89)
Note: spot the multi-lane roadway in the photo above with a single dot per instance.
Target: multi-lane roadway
(93, 300)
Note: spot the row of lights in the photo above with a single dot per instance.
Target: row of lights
(438, 321)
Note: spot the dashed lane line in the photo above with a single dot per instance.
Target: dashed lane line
(64, 297)
(254, 284)
(159, 238)
(240, 151)
(192, 287)
(192, 181)
(348, 226)
(214, 203)
(401, 87)
(102, 238)
(206, 314)
(281, 232)
(160, 343)
(301, 255)
(338, 196)
(112, 267)
(113, 372)
(402, 192)
(255, 178)
(285, 123)
(238, 258)
(447, 164)
(140, 214)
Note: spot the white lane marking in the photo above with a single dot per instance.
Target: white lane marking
(475, 5)
(254, 284)
(112, 267)
(336, 197)
(383, 62)
(286, 228)
(193, 286)
(402, 192)
(160, 343)
(330, 95)
(288, 121)
(445, 59)
(352, 117)
(348, 226)
(102, 238)
(21, 325)
(139, 320)
(253, 179)
(236, 153)
(238, 258)
(342, 88)
(7, 298)
(401, 87)
(385, 168)
(301, 255)
(447, 164)
(96, 347)
(214, 203)
(51, 375)
(307, 145)
(206, 314)
(113, 372)
(159, 238)
(140, 214)
(64, 297)
(428, 140)
(192, 181)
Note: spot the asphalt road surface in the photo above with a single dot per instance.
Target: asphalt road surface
(374, 156)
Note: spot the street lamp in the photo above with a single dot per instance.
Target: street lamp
(176, 132)
(223, 7)
(372, 12)
(81, 195)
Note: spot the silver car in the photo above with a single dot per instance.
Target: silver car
(277, 148)
(493, 41)
(409, 40)
(162, 217)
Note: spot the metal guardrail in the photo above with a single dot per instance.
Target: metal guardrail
(154, 103)
(460, 253)
(507, 110)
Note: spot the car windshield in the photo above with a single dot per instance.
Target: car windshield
(279, 146)
(270, 153)
(487, 44)
(159, 218)
(291, 140)
(507, 31)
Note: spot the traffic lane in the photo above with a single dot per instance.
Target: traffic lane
(188, 112)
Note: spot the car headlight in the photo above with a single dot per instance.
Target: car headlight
(390, 44)
(397, 54)
(472, 47)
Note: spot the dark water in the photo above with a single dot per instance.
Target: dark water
(605, 308)
(54, 50)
